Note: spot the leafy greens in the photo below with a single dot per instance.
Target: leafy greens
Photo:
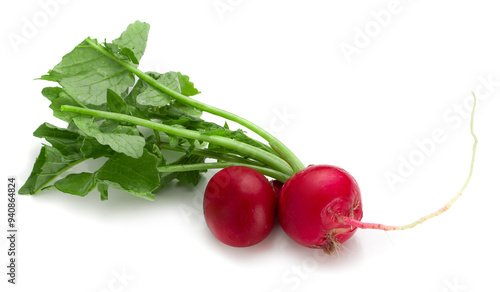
(103, 104)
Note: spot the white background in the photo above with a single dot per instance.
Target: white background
(280, 64)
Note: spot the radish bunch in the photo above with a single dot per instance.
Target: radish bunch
(107, 101)
(240, 206)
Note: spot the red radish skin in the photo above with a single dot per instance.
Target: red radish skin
(240, 206)
(312, 202)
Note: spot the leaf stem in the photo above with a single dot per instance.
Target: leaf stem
(202, 106)
(259, 154)
(291, 162)
(215, 155)
(215, 165)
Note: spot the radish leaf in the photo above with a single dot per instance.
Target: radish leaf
(131, 145)
(116, 103)
(101, 79)
(138, 176)
(67, 142)
(86, 74)
(79, 184)
(58, 97)
(49, 164)
(133, 40)
(103, 190)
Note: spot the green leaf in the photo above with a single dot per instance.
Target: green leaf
(129, 54)
(91, 148)
(152, 96)
(103, 190)
(132, 41)
(185, 109)
(112, 126)
(172, 111)
(152, 147)
(139, 87)
(138, 176)
(59, 97)
(187, 87)
(116, 103)
(79, 184)
(86, 74)
(49, 164)
(121, 53)
(131, 145)
(47, 130)
(68, 142)
(173, 141)
(189, 177)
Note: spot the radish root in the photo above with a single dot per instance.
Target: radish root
(331, 245)
(363, 225)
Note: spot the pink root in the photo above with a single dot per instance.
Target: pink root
(363, 225)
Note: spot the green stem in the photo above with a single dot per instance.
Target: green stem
(215, 155)
(291, 162)
(201, 166)
(201, 106)
(259, 154)
(157, 135)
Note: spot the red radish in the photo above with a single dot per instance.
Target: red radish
(240, 206)
(312, 201)
(320, 206)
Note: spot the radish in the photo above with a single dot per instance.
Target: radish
(312, 201)
(239, 206)
(320, 206)
(106, 100)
